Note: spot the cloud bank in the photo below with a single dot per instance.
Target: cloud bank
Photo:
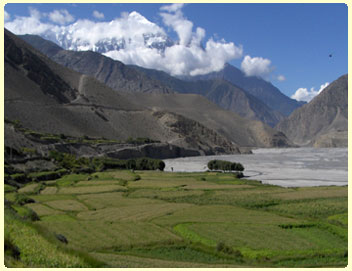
(133, 39)
(98, 15)
(6, 16)
(256, 66)
(303, 94)
(61, 17)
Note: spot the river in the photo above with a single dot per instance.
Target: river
(291, 167)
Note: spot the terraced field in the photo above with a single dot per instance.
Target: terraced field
(159, 219)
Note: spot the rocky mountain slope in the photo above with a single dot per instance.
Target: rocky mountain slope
(47, 97)
(108, 71)
(132, 78)
(323, 122)
(222, 93)
(258, 87)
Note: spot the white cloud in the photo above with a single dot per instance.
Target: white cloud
(173, 7)
(34, 13)
(191, 54)
(6, 16)
(30, 25)
(256, 66)
(281, 78)
(98, 15)
(303, 94)
(61, 16)
(175, 19)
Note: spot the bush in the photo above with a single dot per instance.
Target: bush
(22, 199)
(224, 165)
(88, 165)
(11, 249)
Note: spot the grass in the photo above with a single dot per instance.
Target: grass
(143, 212)
(113, 199)
(29, 188)
(341, 219)
(71, 179)
(102, 235)
(90, 189)
(319, 208)
(9, 188)
(49, 190)
(67, 205)
(36, 250)
(163, 219)
(41, 209)
(263, 236)
(221, 214)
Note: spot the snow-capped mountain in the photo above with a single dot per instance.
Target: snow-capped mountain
(84, 35)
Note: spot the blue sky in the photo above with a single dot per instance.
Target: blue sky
(291, 42)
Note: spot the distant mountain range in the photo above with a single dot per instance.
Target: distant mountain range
(153, 104)
(323, 122)
(110, 72)
(136, 79)
(47, 97)
(256, 86)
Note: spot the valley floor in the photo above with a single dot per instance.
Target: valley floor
(162, 219)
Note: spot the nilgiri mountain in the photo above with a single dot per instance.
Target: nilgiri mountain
(49, 98)
(323, 122)
(155, 39)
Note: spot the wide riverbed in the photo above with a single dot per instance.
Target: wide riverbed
(294, 167)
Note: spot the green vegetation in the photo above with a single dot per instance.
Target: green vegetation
(137, 218)
(89, 165)
(224, 165)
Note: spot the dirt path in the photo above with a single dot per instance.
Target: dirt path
(82, 80)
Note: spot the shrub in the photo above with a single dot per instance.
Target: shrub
(11, 249)
(224, 165)
(22, 199)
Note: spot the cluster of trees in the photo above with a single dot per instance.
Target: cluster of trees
(141, 140)
(83, 164)
(138, 164)
(224, 165)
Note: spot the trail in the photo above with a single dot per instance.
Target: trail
(81, 84)
(80, 88)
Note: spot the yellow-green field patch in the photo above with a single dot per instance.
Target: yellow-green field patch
(160, 194)
(134, 212)
(10, 196)
(129, 261)
(266, 236)
(98, 235)
(67, 205)
(313, 193)
(90, 189)
(92, 182)
(49, 190)
(41, 209)
(37, 251)
(29, 188)
(312, 209)
(114, 175)
(221, 213)
(113, 199)
(50, 197)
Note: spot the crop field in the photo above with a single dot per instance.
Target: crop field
(121, 218)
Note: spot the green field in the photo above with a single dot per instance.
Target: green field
(162, 219)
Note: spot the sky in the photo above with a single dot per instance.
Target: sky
(299, 48)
